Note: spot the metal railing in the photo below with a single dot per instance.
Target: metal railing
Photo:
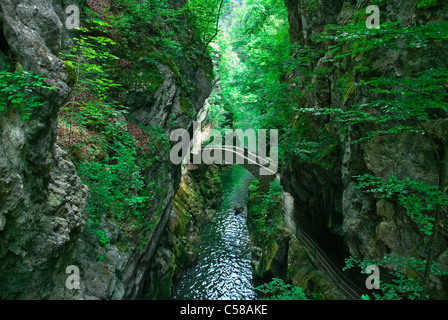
(262, 162)
(343, 283)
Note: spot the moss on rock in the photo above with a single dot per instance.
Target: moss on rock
(72, 75)
(190, 213)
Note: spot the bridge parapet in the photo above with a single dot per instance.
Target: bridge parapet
(263, 169)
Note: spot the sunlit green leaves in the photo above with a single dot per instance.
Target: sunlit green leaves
(17, 89)
(90, 56)
(277, 289)
(117, 190)
(255, 58)
(406, 272)
(205, 15)
(426, 4)
(418, 198)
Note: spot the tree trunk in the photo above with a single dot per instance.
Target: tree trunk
(217, 25)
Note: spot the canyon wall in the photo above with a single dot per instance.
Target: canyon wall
(341, 219)
(42, 211)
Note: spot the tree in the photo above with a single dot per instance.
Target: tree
(255, 58)
(206, 16)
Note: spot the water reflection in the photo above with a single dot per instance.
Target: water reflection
(224, 270)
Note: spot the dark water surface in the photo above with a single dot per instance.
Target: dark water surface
(224, 270)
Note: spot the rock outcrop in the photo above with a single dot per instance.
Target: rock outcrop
(42, 199)
(343, 220)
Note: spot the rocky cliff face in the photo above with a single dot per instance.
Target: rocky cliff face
(199, 195)
(343, 220)
(43, 200)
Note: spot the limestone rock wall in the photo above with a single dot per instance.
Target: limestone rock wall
(42, 200)
(343, 220)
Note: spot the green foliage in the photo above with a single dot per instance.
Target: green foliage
(153, 14)
(354, 38)
(426, 4)
(148, 34)
(270, 202)
(403, 101)
(204, 14)
(400, 104)
(305, 151)
(71, 72)
(91, 58)
(418, 198)
(217, 115)
(265, 212)
(158, 144)
(278, 290)
(308, 4)
(117, 190)
(322, 152)
(17, 89)
(143, 25)
(405, 283)
(255, 56)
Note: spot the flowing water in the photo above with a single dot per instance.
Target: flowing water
(224, 270)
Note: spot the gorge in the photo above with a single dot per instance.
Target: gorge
(87, 116)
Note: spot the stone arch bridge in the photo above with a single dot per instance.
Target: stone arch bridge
(263, 169)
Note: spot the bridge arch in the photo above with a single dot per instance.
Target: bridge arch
(263, 169)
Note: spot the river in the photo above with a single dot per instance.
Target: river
(223, 270)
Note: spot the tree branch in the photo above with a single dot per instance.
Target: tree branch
(217, 26)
